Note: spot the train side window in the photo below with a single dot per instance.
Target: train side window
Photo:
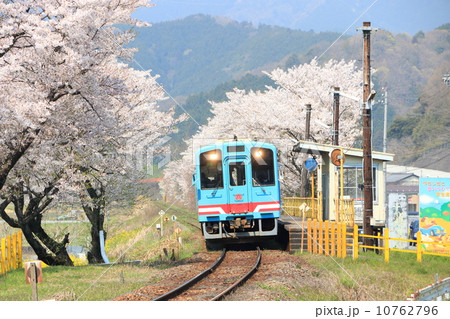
(211, 175)
(237, 173)
(263, 173)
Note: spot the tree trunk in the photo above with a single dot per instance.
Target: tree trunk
(94, 212)
(96, 219)
(29, 220)
(35, 235)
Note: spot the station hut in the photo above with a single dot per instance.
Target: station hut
(349, 207)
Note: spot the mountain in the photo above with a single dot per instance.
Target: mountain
(201, 57)
(421, 138)
(199, 52)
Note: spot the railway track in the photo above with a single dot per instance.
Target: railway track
(228, 272)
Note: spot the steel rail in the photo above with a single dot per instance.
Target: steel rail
(177, 291)
(241, 280)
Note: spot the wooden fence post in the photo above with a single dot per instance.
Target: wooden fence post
(333, 239)
(309, 235)
(344, 239)
(14, 251)
(3, 257)
(34, 282)
(327, 238)
(338, 239)
(314, 236)
(386, 245)
(419, 246)
(355, 242)
(320, 238)
(8, 253)
(20, 247)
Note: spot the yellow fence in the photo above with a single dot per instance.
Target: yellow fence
(327, 238)
(333, 238)
(308, 207)
(345, 209)
(11, 252)
(305, 207)
(384, 245)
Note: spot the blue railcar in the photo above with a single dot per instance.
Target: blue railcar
(237, 190)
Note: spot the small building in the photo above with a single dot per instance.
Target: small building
(328, 176)
(402, 188)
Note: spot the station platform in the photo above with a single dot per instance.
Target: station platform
(290, 230)
(290, 233)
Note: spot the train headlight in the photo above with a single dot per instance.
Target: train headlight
(213, 156)
(258, 153)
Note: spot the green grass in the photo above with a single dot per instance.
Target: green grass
(370, 278)
(131, 235)
(78, 283)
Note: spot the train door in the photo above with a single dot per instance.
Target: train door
(265, 188)
(238, 195)
(211, 193)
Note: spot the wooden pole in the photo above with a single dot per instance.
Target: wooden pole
(336, 197)
(307, 137)
(341, 195)
(309, 236)
(367, 137)
(336, 116)
(312, 197)
(386, 245)
(355, 242)
(419, 246)
(303, 230)
(33, 277)
(333, 238)
(8, 253)
(20, 248)
(320, 241)
(314, 236)
(3, 267)
(344, 240)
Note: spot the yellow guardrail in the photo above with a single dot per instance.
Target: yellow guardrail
(11, 252)
(332, 238)
(386, 249)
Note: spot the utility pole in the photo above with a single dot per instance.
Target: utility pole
(308, 122)
(385, 122)
(367, 136)
(336, 116)
(307, 137)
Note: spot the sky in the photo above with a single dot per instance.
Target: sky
(397, 16)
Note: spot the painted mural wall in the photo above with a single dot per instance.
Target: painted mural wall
(397, 219)
(435, 213)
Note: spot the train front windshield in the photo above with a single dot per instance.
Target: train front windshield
(262, 167)
(211, 169)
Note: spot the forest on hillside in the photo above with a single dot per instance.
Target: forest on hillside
(199, 58)
(199, 52)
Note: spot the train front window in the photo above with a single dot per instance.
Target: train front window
(211, 175)
(263, 173)
(237, 173)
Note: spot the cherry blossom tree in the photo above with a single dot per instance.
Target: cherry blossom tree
(66, 104)
(278, 116)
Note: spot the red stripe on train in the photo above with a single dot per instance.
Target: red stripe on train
(238, 208)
